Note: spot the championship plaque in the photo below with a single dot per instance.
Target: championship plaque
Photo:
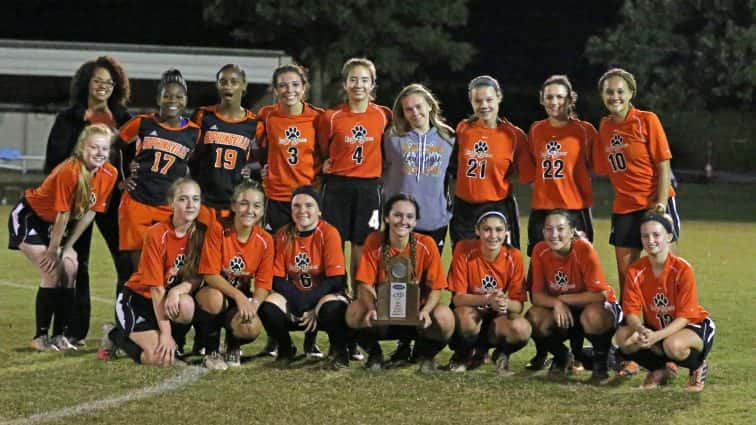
(398, 301)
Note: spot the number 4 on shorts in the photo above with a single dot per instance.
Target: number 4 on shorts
(375, 221)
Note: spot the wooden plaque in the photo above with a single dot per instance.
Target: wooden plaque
(398, 301)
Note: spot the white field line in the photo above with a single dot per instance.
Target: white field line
(33, 287)
(186, 377)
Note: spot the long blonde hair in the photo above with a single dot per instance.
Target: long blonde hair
(83, 191)
(399, 124)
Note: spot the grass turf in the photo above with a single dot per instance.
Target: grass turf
(719, 225)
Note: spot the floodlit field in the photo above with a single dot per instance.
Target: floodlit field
(719, 230)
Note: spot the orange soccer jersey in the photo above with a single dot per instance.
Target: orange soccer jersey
(428, 267)
(579, 271)
(486, 157)
(291, 142)
(561, 158)
(471, 273)
(662, 299)
(162, 257)
(628, 152)
(352, 141)
(238, 262)
(56, 193)
(305, 260)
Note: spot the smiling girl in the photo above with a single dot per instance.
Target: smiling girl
(159, 294)
(75, 190)
(570, 295)
(486, 277)
(164, 143)
(237, 265)
(488, 151)
(398, 238)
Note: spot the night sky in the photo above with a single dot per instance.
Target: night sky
(521, 43)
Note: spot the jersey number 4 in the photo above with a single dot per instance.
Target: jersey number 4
(553, 169)
(476, 168)
(358, 155)
(225, 158)
(159, 157)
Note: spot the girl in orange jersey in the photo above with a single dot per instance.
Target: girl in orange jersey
(287, 142)
(350, 139)
(663, 319)
(237, 251)
(158, 295)
(76, 189)
(309, 281)
(400, 215)
(560, 150)
(164, 143)
(486, 277)
(487, 153)
(228, 132)
(633, 151)
(571, 295)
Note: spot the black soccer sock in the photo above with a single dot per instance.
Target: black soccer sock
(67, 302)
(208, 330)
(310, 338)
(178, 332)
(428, 348)
(122, 341)
(509, 348)
(276, 326)
(601, 344)
(540, 345)
(647, 359)
(368, 340)
(45, 306)
(463, 345)
(576, 344)
(554, 344)
(331, 318)
(693, 361)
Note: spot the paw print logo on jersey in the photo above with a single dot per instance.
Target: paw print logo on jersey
(292, 133)
(302, 261)
(359, 132)
(179, 261)
(561, 279)
(616, 140)
(553, 147)
(660, 300)
(92, 199)
(480, 148)
(488, 283)
(236, 264)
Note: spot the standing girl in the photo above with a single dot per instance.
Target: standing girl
(159, 294)
(224, 148)
(99, 92)
(237, 252)
(309, 280)
(488, 151)
(350, 139)
(287, 142)
(164, 142)
(76, 189)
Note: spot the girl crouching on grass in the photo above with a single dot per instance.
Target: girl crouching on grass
(486, 277)
(76, 189)
(309, 280)
(159, 293)
(664, 321)
(237, 251)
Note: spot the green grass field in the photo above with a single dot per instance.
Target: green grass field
(719, 229)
